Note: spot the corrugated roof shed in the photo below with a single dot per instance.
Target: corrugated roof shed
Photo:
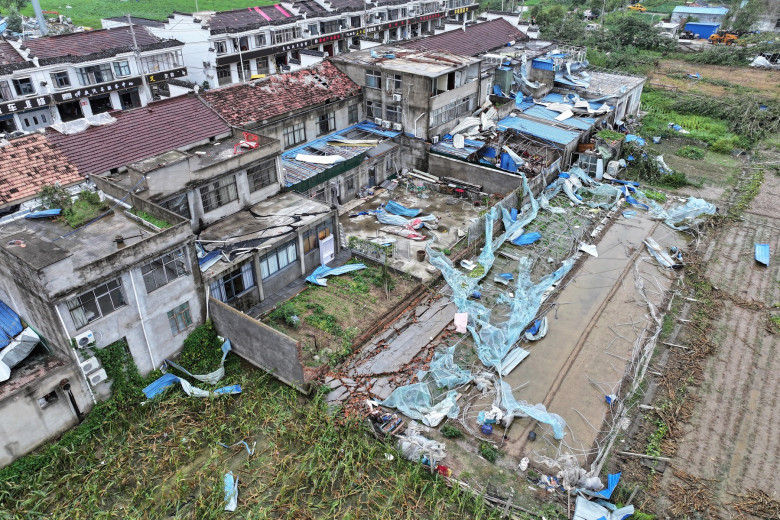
(540, 130)
(540, 112)
(10, 324)
(685, 9)
(475, 40)
(247, 103)
(30, 162)
(140, 133)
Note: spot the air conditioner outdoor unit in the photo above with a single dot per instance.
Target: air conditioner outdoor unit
(396, 97)
(90, 365)
(435, 139)
(97, 377)
(397, 126)
(385, 124)
(378, 120)
(206, 64)
(84, 339)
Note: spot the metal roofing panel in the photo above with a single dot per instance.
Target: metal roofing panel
(554, 97)
(762, 254)
(700, 10)
(583, 123)
(537, 129)
(10, 324)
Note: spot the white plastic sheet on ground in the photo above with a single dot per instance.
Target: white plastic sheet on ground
(587, 510)
(537, 412)
(415, 401)
(414, 447)
(444, 371)
(231, 491)
(680, 217)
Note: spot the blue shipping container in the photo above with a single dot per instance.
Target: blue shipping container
(704, 30)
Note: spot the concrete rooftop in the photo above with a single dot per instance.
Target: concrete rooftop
(421, 63)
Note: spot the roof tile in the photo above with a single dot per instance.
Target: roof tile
(88, 42)
(474, 40)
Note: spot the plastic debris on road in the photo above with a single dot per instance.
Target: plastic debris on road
(612, 481)
(680, 217)
(538, 412)
(231, 491)
(537, 331)
(444, 371)
(590, 249)
(659, 254)
(317, 277)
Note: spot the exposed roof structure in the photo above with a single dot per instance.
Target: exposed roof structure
(244, 104)
(474, 40)
(541, 130)
(91, 45)
(137, 21)
(30, 162)
(140, 133)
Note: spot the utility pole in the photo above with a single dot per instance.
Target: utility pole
(138, 62)
(603, 8)
(39, 16)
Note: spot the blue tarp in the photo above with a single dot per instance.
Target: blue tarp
(762, 254)
(507, 163)
(606, 493)
(167, 380)
(323, 271)
(44, 214)
(10, 324)
(398, 209)
(527, 238)
(497, 91)
(630, 138)
(538, 129)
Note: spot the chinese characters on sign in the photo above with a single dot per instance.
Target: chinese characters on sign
(22, 105)
(96, 90)
(165, 76)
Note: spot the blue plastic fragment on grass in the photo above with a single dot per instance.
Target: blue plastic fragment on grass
(527, 238)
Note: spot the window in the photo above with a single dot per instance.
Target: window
(286, 35)
(326, 123)
(452, 110)
(179, 205)
(373, 79)
(262, 65)
(350, 186)
(180, 318)
(294, 134)
(129, 99)
(393, 113)
(392, 14)
(373, 109)
(261, 175)
(164, 269)
(95, 74)
(314, 29)
(233, 284)
(395, 81)
(220, 47)
(246, 70)
(70, 111)
(5, 91)
(60, 79)
(23, 86)
(356, 21)
(331, 26)
(352, 113)
(403, 12)
(278, 259)
(224, 76)
(48, 399)
(100, 104)
(312, 237)
(260, 40)
(240, 44)
(389, 165)
(34, 119)
(122, 68)
(219, 193)
(94, 304)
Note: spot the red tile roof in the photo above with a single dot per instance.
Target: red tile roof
(8, 54)
(251, 17)
(140, 133)
(475, 40)
(30, 162)
(245, 103)
(88, 42)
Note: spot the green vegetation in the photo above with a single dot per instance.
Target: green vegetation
(645, 169)
(77, 212)
(610, 135)
(451, 432)
(657, 196)
(160, 223)
(654, 441)
(162, 459)
(691, 152)
(287, 313)
(489, 452)
(89, 12)
(746, 195)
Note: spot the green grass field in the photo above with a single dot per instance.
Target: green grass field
(89, 12)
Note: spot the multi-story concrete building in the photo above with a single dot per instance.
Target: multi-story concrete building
(228, 47)
(71, 76)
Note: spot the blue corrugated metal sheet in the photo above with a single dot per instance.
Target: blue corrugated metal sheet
(538, 111)
(10, 324)
(446, 148)
(542, 64)
(526, 102)
(682, 9)
(704, 30)
(762, 254)
(540, 130)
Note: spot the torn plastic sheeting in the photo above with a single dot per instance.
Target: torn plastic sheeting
(17, 351)
(527, 238)
(630, 138)
(250, 451)
(318, 276)
(537, 412)
(414, 447)
(211, 378)
(512, 359)
(399, 209)
(507, 163)
(81, 125)
(537, 331)
(658, 253)
(396, 220)
(590, 249)
(586, 510)
(606, 493)
(762, 254)
(10, 324)
(167, 380)
(231, 491)
(319, 159)
(680, 217)
(461, 322)
(209, 259)
(445, 372)
(46, 213)
(415, 402)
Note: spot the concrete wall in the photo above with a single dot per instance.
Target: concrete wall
(260, 344)
(25, 425)
(492, 181)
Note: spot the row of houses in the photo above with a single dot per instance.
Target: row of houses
(231, 194)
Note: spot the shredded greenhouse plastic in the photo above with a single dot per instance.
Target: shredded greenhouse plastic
(211, 378)
(396, 220)
(680, 217)
(527, 238)
(318, 276)
(399, 209)
(538, 412)
(231, 491)
(167, 380)
(586, 510)
(416, 402)
(444, 371)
